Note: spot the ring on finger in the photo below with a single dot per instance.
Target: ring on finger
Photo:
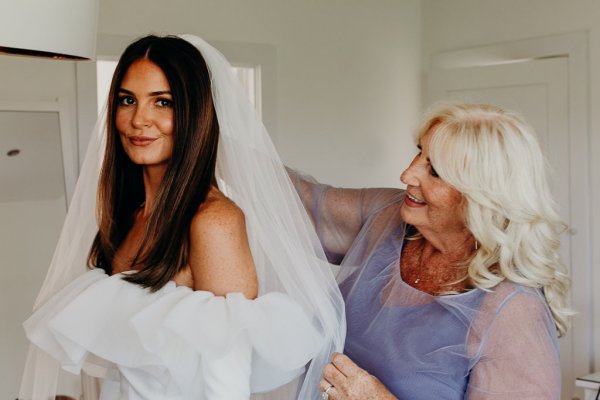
(325, 393)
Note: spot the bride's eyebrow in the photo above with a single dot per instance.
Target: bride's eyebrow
(157, 93)
(160, 93)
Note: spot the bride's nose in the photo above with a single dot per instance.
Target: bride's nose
(141, 117)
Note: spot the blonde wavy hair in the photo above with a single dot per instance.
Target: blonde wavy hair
(493, 158)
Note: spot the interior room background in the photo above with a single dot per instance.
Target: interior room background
(342, 85)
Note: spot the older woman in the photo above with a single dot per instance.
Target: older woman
(453, 287)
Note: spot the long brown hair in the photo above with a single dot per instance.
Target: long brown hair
(164, 250)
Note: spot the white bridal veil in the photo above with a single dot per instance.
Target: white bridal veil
(286, 250)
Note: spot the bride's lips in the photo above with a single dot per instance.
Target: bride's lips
(412, 201)
(141, 140)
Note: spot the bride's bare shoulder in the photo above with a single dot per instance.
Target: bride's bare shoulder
(220, 257)
(217, 208)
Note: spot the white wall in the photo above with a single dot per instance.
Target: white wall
(463, 24)
(347, 73)
(27, 239)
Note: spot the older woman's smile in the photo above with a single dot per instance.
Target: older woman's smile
(412, 201)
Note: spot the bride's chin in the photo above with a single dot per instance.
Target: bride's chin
(145, 158)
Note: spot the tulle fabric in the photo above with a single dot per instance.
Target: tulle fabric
(285, 248)
(496, 344)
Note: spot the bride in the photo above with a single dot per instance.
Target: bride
(204, 278)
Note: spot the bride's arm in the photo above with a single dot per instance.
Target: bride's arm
(220, 257)
(221, 262)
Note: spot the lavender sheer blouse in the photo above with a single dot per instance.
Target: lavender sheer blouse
(494, 344)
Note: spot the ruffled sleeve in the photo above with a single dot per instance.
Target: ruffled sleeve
(183, 340)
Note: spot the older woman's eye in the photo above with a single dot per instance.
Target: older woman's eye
(434, 173)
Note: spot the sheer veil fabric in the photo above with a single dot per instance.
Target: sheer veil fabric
(285, 247)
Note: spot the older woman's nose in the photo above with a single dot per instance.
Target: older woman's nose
(408, 177)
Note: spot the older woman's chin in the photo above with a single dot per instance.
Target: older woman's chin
(409, 213)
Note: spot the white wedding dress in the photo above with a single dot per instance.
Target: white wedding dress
(175, 343)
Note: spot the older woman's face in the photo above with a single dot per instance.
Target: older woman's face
(430, 205)
(144, 115)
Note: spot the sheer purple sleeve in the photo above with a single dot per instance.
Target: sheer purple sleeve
(338, 213)
(519, 355)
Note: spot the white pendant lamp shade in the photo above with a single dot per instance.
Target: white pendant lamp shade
(49, 28)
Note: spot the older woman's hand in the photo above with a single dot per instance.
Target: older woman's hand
(344, 380)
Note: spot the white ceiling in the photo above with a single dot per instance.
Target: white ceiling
(37, 172)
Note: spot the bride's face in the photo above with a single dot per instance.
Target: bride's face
(144, 115)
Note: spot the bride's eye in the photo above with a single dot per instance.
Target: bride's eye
(164, 103)
(125, 100)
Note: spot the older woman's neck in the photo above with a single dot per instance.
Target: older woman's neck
(458, 243)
